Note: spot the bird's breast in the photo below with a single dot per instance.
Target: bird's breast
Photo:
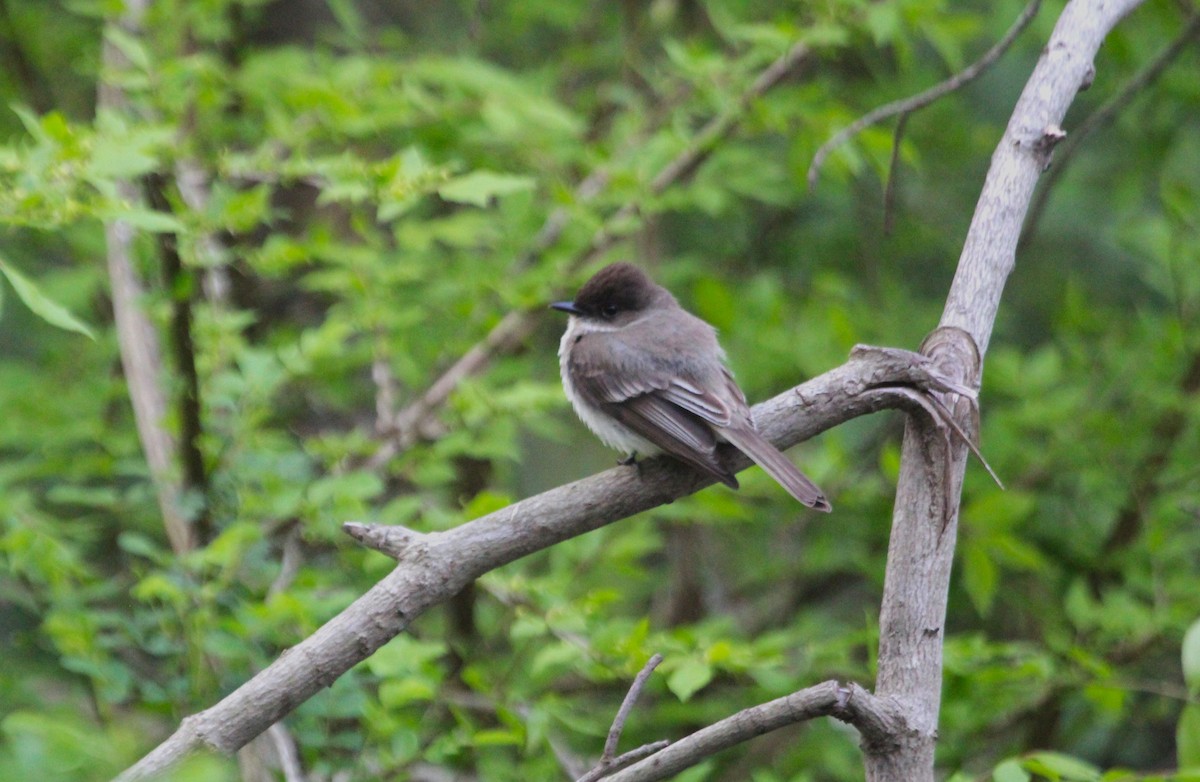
(610, 431)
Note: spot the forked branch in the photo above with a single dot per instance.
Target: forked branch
(906, 106)
(879, 721)
(432, 567)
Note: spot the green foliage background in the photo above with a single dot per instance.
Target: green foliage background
(379, 174)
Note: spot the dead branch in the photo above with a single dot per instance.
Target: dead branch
(609, 762)
(878, 720)
(925, 518)
(922, 99)
(432, 567)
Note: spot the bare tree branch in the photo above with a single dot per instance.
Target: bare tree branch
(609, 761)
(624, 760)
(989, 253)
(878, 720)
(922, 99)
(434, 566)
(924, 526)
(635, 690)
(141, 356)
(285, 748)
(275, 749)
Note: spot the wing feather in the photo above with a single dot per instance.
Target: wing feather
(667, 401)
(672, 413)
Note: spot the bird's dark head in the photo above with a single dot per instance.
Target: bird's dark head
(616, 294)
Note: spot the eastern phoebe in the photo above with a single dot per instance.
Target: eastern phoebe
(647, 376)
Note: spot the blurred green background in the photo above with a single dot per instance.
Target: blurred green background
(379, 173)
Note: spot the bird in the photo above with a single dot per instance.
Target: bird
(648, 377)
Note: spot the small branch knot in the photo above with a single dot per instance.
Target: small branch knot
(1089, 76)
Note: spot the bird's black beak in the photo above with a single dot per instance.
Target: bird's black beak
(566, 306)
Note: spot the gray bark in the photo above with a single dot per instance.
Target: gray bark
(433, 567)
(925, 517)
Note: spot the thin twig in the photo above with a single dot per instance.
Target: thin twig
(624, 760)
(879, 721)
(889, 192)
(517, 325)
(609, 762)
(922, 99)
(291, 557)
(635, 690)
(285, 749)
(1102, 116)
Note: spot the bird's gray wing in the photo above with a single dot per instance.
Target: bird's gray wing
(672, 413)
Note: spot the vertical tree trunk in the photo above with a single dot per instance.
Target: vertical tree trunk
(141, 356)
(925, 517)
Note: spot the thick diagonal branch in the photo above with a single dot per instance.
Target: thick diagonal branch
(433, 567)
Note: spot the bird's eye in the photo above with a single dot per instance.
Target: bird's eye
(609, 310)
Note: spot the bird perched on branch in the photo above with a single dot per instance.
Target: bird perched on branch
(647, 377)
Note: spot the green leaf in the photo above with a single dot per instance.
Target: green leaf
(128, 45)
(1187, 737)
(554, 658)
(1010, 771)
(395, 693)
(1061, 768)
(118, 157)
(497, 737)
(979, 577)
(1191, 657)
(884, 22)
(714, 302)
(690, 677)
(50, 311)
(479, 187)
(149, 220)
(33, 125)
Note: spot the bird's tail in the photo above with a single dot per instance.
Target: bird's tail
(777, 466)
